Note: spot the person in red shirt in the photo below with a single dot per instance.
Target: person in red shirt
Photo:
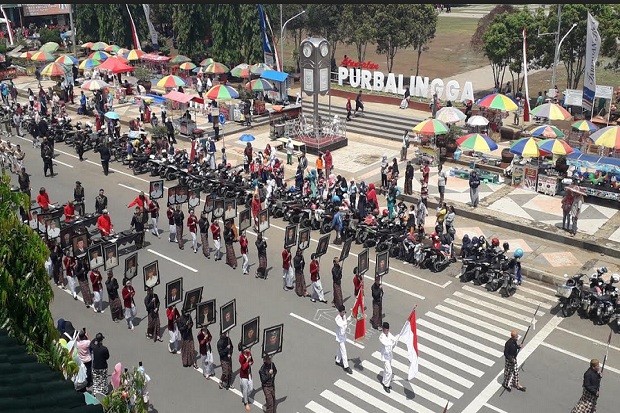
(371, 198)
(216, 234)
(243, 243)
(256, 207)
(129, 304)
(288, 275)
(69, 211)
(315, 278)
(246, 361)
(141, 200)
(104, 223)
(173, 315)
(358, 282)
(426, 171)
(204, 347)
(43, 199)
(96, 281)
(192, 223)
(171, 224)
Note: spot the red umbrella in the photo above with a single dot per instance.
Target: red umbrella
(115, 66)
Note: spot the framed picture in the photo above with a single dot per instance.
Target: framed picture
(192, 298)
(272, 339)
(52, 227)
(80, 244)
(321, 248)
(95, 256)
(230, 208)
(111, 256)
(208, 207)
(304, 238)
(362, 262)
(290, 238)
(194, 199)
(263, 220)
(172, 195)
(131, 266)
(382, 264)
(65, 236)
(249, 333)
(182, 195)
(34, 217)
(156, 189)
(205, 313)
(174, 291)
(245, 219)
(150, 272)
(346, 249)
(228, 316)
(218, 208)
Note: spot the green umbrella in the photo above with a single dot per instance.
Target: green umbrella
(180, 59)
(50, 47)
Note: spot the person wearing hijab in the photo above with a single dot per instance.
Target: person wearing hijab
(361, 204)
(328, 162)
(371, 198)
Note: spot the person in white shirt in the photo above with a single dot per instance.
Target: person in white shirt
(342, 321)
(388, 342)
(96, 260)
(290, 148)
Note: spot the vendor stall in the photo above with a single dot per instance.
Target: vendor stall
(280, 94)
(278, 116)
(185, 125)
(599, 176)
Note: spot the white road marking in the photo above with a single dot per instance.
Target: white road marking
(527, 351)
(485, 314)
(501, 300)
(371, 400)
(317, 408)
(320, 327)
(493, 307)
(457, 349)
(232, 389)
(130, 188)
(171, 260)
(578, 357)
(535, 302)
(435, 329)
(535, 292)
(62, 163)
(344, 403)
(402, 290)
(436, 355)
(474, 320)
(588, 338)
(468, 329)
(496, 409)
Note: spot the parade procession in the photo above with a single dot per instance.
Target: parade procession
(172, 208)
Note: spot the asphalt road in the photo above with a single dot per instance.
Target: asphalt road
(462, 328)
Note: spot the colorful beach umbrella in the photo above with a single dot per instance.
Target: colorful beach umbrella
(99, 46)
(49, 47)
(171, 81)
(527, 148)
(476, 142)
(258, 85)
(26, 55)
(42, 56)
(112, 48)
(608, 137)
(87, 45)
(584, 126)
(206, 62)
(551, 111)
(67, 60)
(555, 146)
(241, 70)
(222, 92)
(187, 66)
(216, 68)
(477, 120)
(95, 84)
(498, 101)
(547, 131)
(431, 127)
(99, 55)
(122, 52)
(450, 114)
(259, 68)
(180, 59)
(89, 64)
(54, 69)
(134, 54)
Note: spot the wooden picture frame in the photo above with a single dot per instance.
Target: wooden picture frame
(150, 275)
(206, 313)
(193, 199)
(273, 338)
(363, 261)
(321, 248)
(99, 260)
(192, 298)
(228, 316)
(111, 256)
(382, 263)
(173, 299)
(245, 219)
(263, 220)
(250, 331)
(290, 236)
(156, 189)
(230, 208)
(131, 266)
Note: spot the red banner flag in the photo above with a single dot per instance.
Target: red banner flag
(360, 316)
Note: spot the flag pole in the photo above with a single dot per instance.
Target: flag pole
(531, 323)
(606, 353)
(445, 409)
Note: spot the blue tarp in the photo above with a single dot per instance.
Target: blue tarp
(601, 163)
(274, 75)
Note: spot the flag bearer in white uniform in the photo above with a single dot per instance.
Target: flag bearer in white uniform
(342, 321)
(388, 342)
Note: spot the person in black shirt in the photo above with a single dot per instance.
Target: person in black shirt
(229, 238)
(137, 223)
(203, 225)
(179, 218)
(56, 257)
(377, 304)
(100, 365)
(511, 370)
(47, 154)
(267, 375)
(104, 153)
(24, 182)
(261, 251)
(337, 280)
(591, 385)
(152, 303)
(116, 307)
(225, 350)
(78, 197)
(101, 202)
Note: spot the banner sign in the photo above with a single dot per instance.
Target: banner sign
(593, 45)
(45, 9)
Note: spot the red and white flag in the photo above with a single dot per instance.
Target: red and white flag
(409, 335)
(134, 32)
(359, 315)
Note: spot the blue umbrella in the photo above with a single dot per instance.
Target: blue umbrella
(246, 138)
(112, 115)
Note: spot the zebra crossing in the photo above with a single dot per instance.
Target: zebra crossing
(459, 340)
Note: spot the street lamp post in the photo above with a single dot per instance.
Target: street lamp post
(282, 33)
(557, 54)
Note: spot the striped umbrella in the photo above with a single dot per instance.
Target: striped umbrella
(259, 85)
(99, 55)
(526, 147)
(222, 92)
(67, 60)
(555, 146)
(476, 142)
(89, 64)
(122, 52)
(551, 111)
(99, 46)
(584, 126)
(431, 127)
(450, 114)
(241, 70)
(112, 48)
(207, 62)
(547, 131)
(26, 55)
(180, 59)
(87, 45)
(608, 137)
(498, 101)
(49, 47)
(41, 56)
(134, 54)
(95, 84)
(54, 69)
(171, 81)
(187, 66)
(216, 68)
(259, 68)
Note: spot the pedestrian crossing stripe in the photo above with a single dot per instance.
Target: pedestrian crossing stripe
(317, 408)
(436, 355)
(485, 314)
(546, 306)
(369, 398)
(493, 307)
(502, 332)
(453, 347)
(461, 339)
(502, 300)
(344, 403)
(467, 329)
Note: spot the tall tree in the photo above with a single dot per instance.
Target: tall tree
(250, 47)
(85, 17)
(424, 21)
(484, 23)
(191, 28)
(358, 26)
(324, 21)
(392, 22)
